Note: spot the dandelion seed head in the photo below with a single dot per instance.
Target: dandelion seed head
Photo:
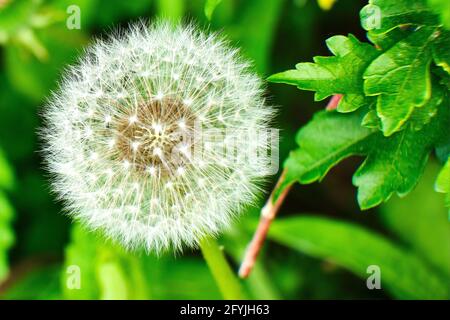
(122, 129)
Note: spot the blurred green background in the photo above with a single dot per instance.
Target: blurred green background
(321, 244)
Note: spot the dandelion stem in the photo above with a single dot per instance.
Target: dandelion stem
(268, 213)
(228, 283)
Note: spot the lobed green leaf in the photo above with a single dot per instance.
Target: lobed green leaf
(393, 164)
(381, 16)
(339, 74)
(401, 79)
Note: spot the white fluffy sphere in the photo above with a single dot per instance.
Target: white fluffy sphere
(123, 134)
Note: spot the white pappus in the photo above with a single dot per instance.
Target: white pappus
(147, 138)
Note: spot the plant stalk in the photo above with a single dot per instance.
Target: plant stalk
(226, 280)
(268, 213)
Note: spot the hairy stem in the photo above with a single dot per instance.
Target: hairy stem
(334, 101)
(228, 283)
(268, 213)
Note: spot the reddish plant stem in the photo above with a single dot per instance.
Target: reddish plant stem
(268, 213)
(334, 101)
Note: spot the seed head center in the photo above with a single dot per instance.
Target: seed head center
(152, 137)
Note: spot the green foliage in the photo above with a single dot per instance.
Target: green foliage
(226, 279)
(441, 51)
(332, 75)
(34, 57)
(107, 272)
(36, 46)
(443, 182)
(6, 216)
(256, 38)
(81, 253)
(6, 234)
(32, 77)
(441, 7)
(42, 283)
(398, 94)
(326, 140)
(355, 248)
(393, 164)
(260, 283)
(428, 233)
(6, 173)
(382, 16)
(400, 77)
(210, 6)
(18, 22)
(171, 9)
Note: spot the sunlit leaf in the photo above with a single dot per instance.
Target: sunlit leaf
(210, 6)
(442, 7)
(6, 173)
(420, 220)
(171, 9)
(403, 274)
(443, 183)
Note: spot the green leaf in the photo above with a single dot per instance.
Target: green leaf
(18, 118)
(226, 280)
(385, 41)
(6, 173)
(256, 39)
(6, 234)
(401, 79)
(260, 283)
(107, 272)
(340, 74)
(184, 277)
(41, 283)
(443, 183)
(326, 140)
(403, 274)
(371, 120)
(14, 15)
(441, 7)
(428, 232)
(6, 216)
(441, 50)
(81, 253)
(112, 280)
(423, 115)
(34, 78)
(210, 6)
(393, 164)
(171, 9)
(381, 16)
